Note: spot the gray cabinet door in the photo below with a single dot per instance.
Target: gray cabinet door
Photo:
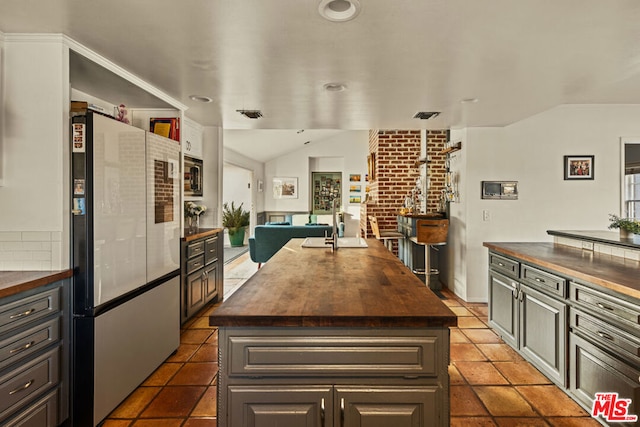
(387, 406)
(503, 307)
(195, 292)
(271, 406)
(594, 371)
(543, 333)
(211, 281)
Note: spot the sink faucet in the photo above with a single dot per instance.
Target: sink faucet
(333, 240)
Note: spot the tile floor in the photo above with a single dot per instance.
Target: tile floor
(491, 385)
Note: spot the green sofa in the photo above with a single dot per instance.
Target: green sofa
(269, 238)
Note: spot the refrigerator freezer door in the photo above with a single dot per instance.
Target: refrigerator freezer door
(119, 209)
(163, 206)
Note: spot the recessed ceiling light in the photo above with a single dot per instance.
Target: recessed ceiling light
(200, 98)
(252, 114)
(335, 87)
(339, 10)
(469, 100)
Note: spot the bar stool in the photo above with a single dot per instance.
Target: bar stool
(387, 237)
(431, 233)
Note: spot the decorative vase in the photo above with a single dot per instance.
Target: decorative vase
(236, 236)
(624, 234)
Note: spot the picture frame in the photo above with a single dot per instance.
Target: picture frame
(354, 177)
(285, 188)
(579, 167)
(355, 199)
(355, 188)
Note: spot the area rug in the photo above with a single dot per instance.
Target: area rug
(231, 253)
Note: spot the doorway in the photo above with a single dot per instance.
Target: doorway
(237, 189)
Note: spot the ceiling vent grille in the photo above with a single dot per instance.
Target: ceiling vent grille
(425, 115)
(252, 114)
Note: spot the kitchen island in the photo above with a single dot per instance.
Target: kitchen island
(342, 338)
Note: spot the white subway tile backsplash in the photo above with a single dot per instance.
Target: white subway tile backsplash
(30, 250)
(10, 236)
(634, 255)
(602, 248)
(29, 236)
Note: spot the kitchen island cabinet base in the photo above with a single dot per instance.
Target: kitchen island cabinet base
(333, 376)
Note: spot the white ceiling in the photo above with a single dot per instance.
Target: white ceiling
(517, 57)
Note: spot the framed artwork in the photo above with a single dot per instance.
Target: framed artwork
(354, 177)
(355, 188)
(285, 188)
(578, 167)
(325, 186)
(354, 199)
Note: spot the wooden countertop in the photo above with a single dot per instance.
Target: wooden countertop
(351, 287)
(13, 282)
(600, 236)
(199, 233)
(615, 273)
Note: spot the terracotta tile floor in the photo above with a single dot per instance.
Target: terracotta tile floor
(491, 385)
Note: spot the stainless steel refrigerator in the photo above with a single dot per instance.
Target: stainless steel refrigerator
(126, 243)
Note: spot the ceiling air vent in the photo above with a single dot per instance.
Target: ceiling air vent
(425, 115)
(252, 114)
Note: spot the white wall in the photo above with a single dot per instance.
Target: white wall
(531, 152)
(211, 185)
(346, 152)
(35, 194)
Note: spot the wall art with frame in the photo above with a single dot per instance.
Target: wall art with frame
(578, 167)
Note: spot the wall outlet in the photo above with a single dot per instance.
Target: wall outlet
(486, 216)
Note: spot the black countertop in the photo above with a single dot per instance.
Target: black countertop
(608, 237)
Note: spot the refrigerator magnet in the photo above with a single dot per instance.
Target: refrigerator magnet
(78, 138)
(78, 187)
(78, 206)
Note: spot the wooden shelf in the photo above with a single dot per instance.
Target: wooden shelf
(456, 147)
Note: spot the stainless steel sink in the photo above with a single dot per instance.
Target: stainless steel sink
(343, 242)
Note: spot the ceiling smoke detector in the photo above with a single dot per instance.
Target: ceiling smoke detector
(252, 114)
(426, 115)
(339, 10)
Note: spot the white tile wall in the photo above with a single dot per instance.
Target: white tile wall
(30, 250)
(602, 248)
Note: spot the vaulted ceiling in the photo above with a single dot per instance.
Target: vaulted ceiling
(477, 62)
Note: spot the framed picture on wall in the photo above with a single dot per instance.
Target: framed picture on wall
(285, 188)
(578, 167)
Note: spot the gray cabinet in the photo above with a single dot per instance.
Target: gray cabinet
(32, 378)
(202, 273)
(604, 345)
(333, 377)
(527, 309)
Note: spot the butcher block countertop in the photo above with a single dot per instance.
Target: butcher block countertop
(190, 235)
(351, 287)
(614, 273)
(14, 282)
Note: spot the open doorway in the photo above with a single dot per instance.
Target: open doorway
(237, 189)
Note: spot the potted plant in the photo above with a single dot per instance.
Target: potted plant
(627, 226)
(235, 219)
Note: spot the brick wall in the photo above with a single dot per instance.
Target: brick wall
(395, 172)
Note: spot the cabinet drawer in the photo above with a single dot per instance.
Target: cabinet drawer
(27, 342)
(195, 264)
(24, 382)
(505, 265)
(195, 249)
(210, 250)
(334, 355)
(595, 371)
(621, 312)
(543, 280)
(25, 310)
(606, 335)
(42, 413)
